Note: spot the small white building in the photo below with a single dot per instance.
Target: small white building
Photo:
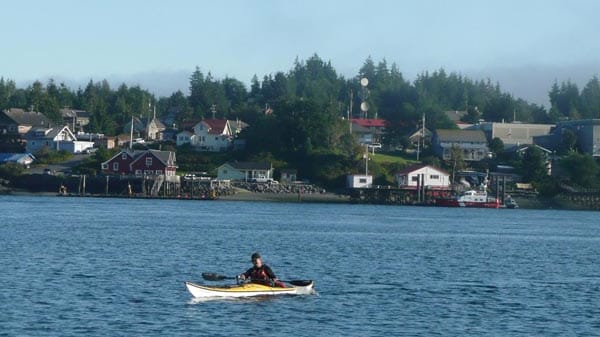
(359, 181)
(422, 175)
(245, 171)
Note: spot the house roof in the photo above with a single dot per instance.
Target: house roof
(369, 122)
(247, 165)
(48, 133)
(187, 133)
(15, 157)
(32, 118)
(158, 123)
(415, 167)
(70, 113)
(475, 136)
(133, 154)
(237, 125)
(216, 126)
(166, 157)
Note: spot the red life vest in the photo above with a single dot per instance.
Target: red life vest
(259, 274)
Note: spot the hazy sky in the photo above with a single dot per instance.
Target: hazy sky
(525, 45)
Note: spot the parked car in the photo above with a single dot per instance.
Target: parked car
(261, 179)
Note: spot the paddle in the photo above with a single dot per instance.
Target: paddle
(219, 277)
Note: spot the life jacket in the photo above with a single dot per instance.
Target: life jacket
(259, 275)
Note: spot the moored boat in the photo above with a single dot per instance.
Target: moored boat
(470, 198)
(249, 290)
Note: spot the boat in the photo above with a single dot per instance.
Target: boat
(470, 198)
(303, 287)
(509, 202)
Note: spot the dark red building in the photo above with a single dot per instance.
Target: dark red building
(141, 163)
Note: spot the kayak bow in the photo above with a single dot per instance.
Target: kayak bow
(246, 290)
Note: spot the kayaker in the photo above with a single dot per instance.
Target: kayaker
(261, 273)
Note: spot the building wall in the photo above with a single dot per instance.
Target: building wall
(432, 178)
(227, 172)
(148, 164)
(359, 181)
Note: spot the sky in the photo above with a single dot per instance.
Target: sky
(524, 45)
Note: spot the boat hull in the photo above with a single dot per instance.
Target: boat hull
(473, 204)
(246, 290)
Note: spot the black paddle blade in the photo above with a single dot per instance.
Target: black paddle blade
(300, 283)
(214, 277)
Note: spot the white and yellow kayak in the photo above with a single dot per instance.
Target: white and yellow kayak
(249, 290)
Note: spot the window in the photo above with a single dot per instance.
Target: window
(124, 156)
(159, 172)
(434, 176)
(217, 138)
(148, 172)
(138, 172)
(362, 180)
(104, 166)
(115, 166)
(414, 178)
(148, 161)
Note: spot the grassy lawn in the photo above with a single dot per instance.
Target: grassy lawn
(392, 158)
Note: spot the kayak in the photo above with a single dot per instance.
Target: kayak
(248, 290)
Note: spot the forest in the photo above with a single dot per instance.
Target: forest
(299, 117)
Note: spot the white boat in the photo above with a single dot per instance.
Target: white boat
(249, 289)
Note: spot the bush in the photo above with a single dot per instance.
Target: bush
(11, 170)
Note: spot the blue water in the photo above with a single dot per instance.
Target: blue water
(116, 267)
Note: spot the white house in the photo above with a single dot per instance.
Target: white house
(185, 137)
(213, 135)
(245, 171)
(58, 138)
(422, 175)
(359, 181)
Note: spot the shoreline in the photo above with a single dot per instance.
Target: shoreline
(329, 198)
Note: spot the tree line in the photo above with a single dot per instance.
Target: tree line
(299, 117)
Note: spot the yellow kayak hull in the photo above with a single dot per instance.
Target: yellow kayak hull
(246, 290)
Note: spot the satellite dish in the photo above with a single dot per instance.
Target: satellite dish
(364, 106)
(364, 81)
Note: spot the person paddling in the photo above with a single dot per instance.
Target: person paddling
(261, 273)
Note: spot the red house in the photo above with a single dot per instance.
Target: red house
(140, 163)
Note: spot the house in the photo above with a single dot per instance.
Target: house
(169, 134)
(472, 143)
(155, 129)
(369, 130)
(587, 132)
(513, 134)
(288, 176)
(359, 181)
(57, 138)
(76, 119)
(421, 135)
(106, 142)
(154, 163)
(184, 137)
(422, 175)
(213, 135)
(141, 163)
(245, 171)
(18, 122)
(24, 159)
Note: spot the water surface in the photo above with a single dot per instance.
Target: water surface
(116, 267)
